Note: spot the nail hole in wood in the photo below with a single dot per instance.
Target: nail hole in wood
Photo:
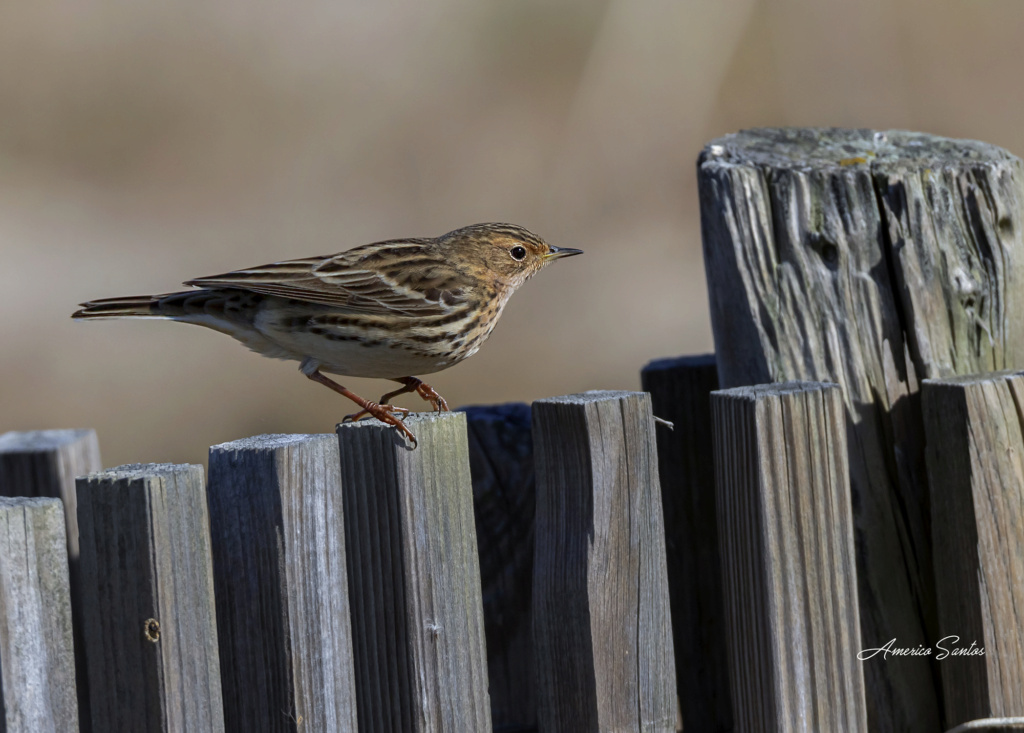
(152, 630)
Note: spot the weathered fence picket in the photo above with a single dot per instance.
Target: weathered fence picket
(602, 630)
(281, 584)
(45, 463)
(869, 259)
(37, 666)
(990, 725)
(501, 465)
(147, 591)
(414, 577)
(786, 535)
(681, 393)
(975, 455)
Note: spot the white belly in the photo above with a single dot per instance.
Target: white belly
(378, 355)
(270, 329)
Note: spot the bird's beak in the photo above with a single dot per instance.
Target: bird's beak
(557, 252)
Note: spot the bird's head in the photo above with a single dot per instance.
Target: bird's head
(510, 253)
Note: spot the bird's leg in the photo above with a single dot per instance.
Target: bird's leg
(412, 384)
(388, 414)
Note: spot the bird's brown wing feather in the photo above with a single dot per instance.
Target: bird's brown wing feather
(398, 277)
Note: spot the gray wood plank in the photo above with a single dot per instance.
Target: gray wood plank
(681, 393)
(45, 463)
(37, 663)
(147, 587)
(870, 260)
(501, 464)
(281, 584)
(414, 576)
(602, 626)
(786, 535)
(975, 429)
(990, 725)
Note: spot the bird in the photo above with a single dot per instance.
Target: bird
(387, 310)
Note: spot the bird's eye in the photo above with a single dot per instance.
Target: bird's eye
(518, 252)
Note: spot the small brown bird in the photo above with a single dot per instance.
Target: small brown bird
(387, 310)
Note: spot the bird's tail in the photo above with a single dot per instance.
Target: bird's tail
(180, 306)
(132, 306)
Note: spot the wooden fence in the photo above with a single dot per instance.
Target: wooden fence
(789, 556)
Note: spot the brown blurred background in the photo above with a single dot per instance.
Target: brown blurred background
(142, 144)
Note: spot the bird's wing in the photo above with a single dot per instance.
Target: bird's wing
(399, 277)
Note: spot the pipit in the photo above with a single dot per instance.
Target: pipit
(387, 310)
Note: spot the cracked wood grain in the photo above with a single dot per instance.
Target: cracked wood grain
(37, 663)
(681, 393)
(501, 464)
(786, 538)
(278, 543)
(602, 626)
(414, 577)
(45, 463)
(873, 260)
(148, 607)
(975, 428)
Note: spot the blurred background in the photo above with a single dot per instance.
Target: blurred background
(142, 144)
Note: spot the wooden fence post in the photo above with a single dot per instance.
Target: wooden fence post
(786, 535)
(975, 454)
(990, 725)
(602, 629)
(869, 259)
(147, 590)
(45, 463)
(414, 577)
(283, 624)
(501, 464)
(681, 393)
(37, 662)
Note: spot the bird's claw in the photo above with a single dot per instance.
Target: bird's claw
(429, 394)
(384, 413)
(388, 414)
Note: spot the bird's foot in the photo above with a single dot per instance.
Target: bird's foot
(429, 394)
(388, 414)
(384, 413)
(413, 384)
